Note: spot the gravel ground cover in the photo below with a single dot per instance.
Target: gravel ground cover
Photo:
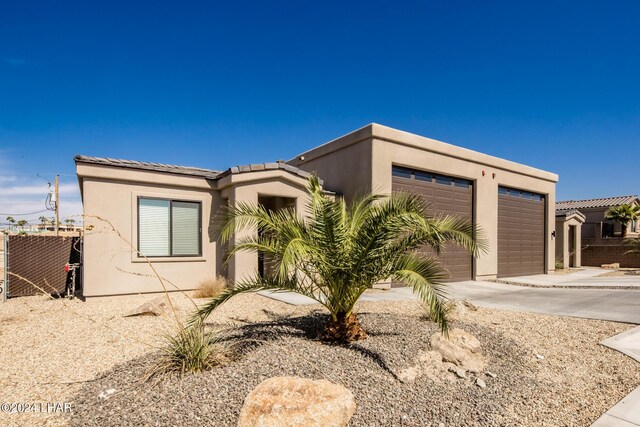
(572, 386)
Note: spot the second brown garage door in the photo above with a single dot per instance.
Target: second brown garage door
(443, 195)
(521, 233)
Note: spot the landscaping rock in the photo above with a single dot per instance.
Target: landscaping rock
(480, 383)
(293, 401)
(106, 394)
(460, 373)
(409, 375)
(158, 306)
(459, 309)
(490, 374)
(461, 348)
(614, 266)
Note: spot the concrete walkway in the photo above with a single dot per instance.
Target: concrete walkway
(625, 413)
(618, 305)
(584, 278)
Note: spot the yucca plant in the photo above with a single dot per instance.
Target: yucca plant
(339, 251)
(191, 349)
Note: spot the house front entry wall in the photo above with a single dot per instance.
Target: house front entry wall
(243, 265)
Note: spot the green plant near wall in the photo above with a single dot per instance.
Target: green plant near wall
(623, 214)
(340, 250)
(634, 246)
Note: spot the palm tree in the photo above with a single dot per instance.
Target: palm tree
(43, 222)
(22, 223)
(624, 214)
(340, 251)
(11, 221)
(69, 222)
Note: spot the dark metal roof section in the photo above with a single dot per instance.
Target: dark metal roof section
(148, 166)
(597, 203)
(191, 171)
(265, 167)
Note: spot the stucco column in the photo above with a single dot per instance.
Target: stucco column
(242, 264)
(486, 208)
(578, 236)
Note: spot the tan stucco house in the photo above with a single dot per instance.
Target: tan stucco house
(167, 212)
(596, 241)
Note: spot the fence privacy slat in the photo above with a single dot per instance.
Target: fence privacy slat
(41, 260)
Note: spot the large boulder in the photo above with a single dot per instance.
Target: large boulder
(460, 348)
(293, 401)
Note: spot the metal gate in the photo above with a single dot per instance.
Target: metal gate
(40, 261)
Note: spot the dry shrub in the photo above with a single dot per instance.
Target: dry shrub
(210, 288)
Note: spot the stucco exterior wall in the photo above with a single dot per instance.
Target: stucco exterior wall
(392, 147)
(111, 264)
(346, 171)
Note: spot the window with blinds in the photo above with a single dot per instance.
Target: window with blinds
(168, 227)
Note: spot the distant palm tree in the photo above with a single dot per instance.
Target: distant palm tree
(43, 222)
(341, 250)
(69, 222)
(11, 221)
(623, 214)
(22, 223)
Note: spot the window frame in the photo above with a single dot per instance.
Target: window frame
(170, 255)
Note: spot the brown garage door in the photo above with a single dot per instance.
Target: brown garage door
(521, 231)
(444, 195)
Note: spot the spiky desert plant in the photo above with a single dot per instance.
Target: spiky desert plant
(340, 250)
(191, 349)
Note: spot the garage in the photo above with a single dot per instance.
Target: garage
(444, 195)
(521, 232)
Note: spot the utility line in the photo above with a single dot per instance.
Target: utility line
(28, 213)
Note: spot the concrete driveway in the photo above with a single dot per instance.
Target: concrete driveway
(620, 305)
(580, 293)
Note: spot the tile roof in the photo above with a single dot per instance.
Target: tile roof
(155, 167)
(266, 166)
(569, 212)
(187, 170)
(596, 203)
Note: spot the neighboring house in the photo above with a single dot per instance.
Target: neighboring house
(168, 212)
(599, 241)
(595, 224)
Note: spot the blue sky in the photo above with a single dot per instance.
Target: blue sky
(554, 85)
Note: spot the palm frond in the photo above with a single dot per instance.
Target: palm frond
(424, 275)
(249, 285)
